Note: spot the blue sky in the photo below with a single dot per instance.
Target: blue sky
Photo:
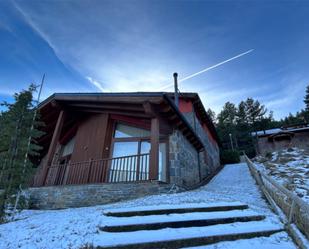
(86, 46)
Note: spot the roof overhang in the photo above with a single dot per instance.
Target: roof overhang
(130, 104)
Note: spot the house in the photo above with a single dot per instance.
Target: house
(118, 142)
(282, 138)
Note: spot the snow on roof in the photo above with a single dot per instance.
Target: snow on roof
(278, 130)
(266, 132)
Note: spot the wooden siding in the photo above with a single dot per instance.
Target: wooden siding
(185, 105)
(90, 138)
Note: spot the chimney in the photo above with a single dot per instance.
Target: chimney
(175, 75)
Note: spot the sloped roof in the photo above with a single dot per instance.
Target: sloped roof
(136, 100)
(279, 131)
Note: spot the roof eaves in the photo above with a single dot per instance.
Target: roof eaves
(208, 119)
(181, 116)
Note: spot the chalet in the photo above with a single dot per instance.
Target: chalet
(282, 138)
(120, 142)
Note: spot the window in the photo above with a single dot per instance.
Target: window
(125, 131)
(162, 162)
(130, 140)
(68, 147)
(125, 149)
(66, 151)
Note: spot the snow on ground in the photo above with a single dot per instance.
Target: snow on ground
(290, 167)
(144, 236)
(276, 241)
(150, 219)
(73, 228)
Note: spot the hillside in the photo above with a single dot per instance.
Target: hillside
(74, 228)
(290, 167)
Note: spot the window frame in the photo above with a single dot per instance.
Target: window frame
(65, 159)
(162, 139)
(127, 139)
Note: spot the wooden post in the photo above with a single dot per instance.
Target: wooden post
(90, 171)
(52, 146)
(291, 214)
(154, 151)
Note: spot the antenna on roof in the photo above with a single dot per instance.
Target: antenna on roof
(175, 75)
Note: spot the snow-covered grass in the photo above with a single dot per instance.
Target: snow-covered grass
(75, 227)
(276, 241)
(290, 167)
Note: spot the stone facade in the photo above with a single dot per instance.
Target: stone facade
(183, 161)
(300, 140)
(211, 159)
(65, 196)
(187, 166)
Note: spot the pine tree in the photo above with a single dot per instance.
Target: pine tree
(255, 111)
(211, 114)
(16, 123)
(241, 115)
(228, 114)
(226, 122)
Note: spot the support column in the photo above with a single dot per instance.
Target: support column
(52, 146)
(154, 151)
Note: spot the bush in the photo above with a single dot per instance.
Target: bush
(268, 155)
(250, 152)
(229, 156)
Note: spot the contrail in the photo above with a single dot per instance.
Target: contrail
(209, 68)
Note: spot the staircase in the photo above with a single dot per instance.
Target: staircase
(179, 226)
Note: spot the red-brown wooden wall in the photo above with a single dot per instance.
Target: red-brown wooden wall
(90, 139)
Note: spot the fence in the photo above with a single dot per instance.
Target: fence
(296, 211)
(118, 169)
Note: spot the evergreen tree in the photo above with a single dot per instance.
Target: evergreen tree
(254, 110)
(228, 114)
(212, 115)
(250, 116)
(226, 123)
(240, 122)
(241, 115)
(298, 118)
(16, 127)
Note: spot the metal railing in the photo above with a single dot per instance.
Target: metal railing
(117, 169)
(296, 210)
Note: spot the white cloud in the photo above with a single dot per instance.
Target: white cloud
(97, 84)
(121, 56)
(116, 45)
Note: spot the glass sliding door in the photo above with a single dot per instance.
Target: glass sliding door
(144, 164)
(123, 169)
(125, 149)
(131, 149)
(162, 162)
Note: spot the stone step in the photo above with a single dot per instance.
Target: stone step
(181, 223)
(187, 237)
(175, 210)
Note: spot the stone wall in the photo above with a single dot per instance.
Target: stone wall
(183, 161)
(65, 196)
(300, 140)
(211, 159)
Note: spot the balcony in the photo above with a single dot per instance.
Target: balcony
(118, 169)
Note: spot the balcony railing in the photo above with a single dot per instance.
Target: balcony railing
(117, 169)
